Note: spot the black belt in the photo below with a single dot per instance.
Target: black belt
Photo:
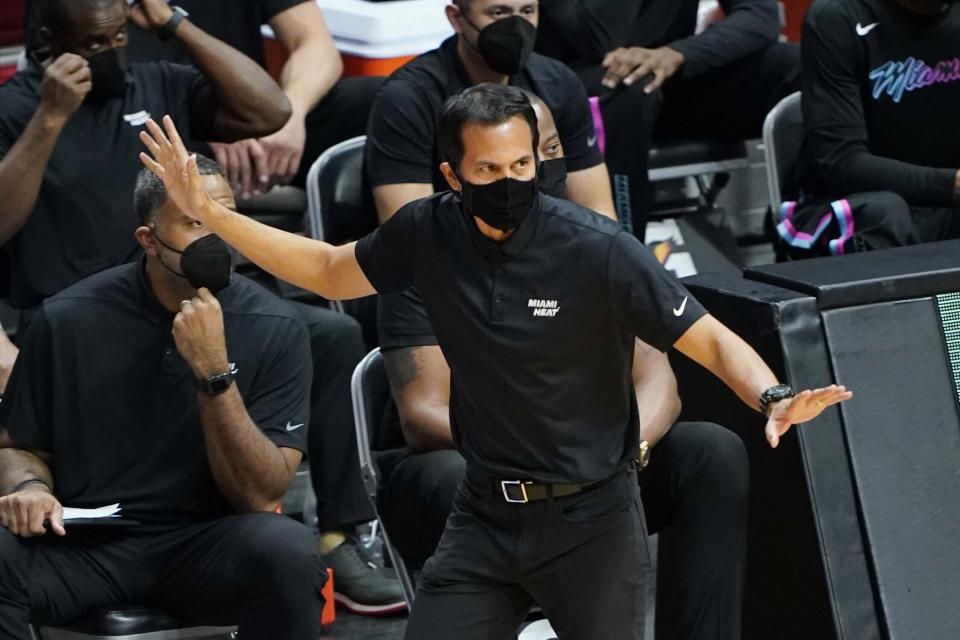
(522, 492)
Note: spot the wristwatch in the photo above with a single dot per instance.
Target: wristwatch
(168, 30)
(775, 394)
(215, 385)
(643, 454)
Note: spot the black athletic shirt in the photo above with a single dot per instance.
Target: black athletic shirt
(582, 32)
(236, 22)
(83, 220)
(880, 87)
(402, 130)
(100, 385)
(538, 331)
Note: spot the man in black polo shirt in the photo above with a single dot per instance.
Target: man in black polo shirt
(881, 160)
(68, 134)
(535, 302)
(187, 409)
(697, 482)
(73, 160)
(657, 79)
(401, 156)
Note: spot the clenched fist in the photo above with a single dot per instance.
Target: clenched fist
(24, 512)
(66, 82)
(198, 333)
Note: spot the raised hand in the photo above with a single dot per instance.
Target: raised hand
(151, 15)
(66, 82)
(171, 163)
(199, 336)
(803, 407)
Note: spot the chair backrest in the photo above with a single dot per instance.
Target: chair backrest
(370, 392)
(339, 203)
(782, 141)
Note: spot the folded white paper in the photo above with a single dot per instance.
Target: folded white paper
(73, 513)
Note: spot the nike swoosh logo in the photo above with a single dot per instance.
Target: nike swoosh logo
(683, 305)
(293, 427)
(591, 141)
(862, 31)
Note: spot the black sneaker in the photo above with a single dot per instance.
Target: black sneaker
(360, 586)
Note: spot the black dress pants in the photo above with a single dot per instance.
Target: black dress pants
(694, 492)
(729, 103)
(336, 345)
(260, 571)
(582, 558)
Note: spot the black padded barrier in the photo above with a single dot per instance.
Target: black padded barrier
(855, 518)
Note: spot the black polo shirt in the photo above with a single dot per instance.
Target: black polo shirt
(538, 331)
(402, 130)
(83, 220)
(100, 385)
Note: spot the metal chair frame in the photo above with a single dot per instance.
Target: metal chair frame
(368, 467)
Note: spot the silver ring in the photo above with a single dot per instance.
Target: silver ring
(184, 303)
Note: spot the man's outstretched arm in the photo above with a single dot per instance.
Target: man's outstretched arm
(332, 272)
(728, 357)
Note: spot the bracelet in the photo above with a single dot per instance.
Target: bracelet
(20, 485)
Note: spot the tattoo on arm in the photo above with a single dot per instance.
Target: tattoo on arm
(402, 366)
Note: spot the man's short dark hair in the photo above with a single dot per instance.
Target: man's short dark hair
(54, 13)
(487, 104)
(149, 193)
(463, 5)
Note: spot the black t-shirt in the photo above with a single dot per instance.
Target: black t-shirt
(879, 87)
(538, 331)
(83, 220)
(402, 131)
(582, 32)
(100, 385)
(236, 22)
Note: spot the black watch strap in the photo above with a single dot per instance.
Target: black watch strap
(775, 394)
(215, 385)
(168, 30)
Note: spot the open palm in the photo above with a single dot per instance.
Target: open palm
(169, 161)
(803, 407)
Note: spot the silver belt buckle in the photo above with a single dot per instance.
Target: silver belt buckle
(518, 483)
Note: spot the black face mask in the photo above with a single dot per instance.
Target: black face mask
(552, 177)
(206, 262)
(503, 204)
(109, 71)
(506, 44)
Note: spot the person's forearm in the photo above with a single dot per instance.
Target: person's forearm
(248, 468)
(22, 169)
(18, 465)
(658, 403)
(724, 354)
(300, 261)
(749, 26)
(590, 188)
(249, 102)
(428, 429)
(862, 171)
(309, 74)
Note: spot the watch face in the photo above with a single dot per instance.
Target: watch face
(219, 385)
